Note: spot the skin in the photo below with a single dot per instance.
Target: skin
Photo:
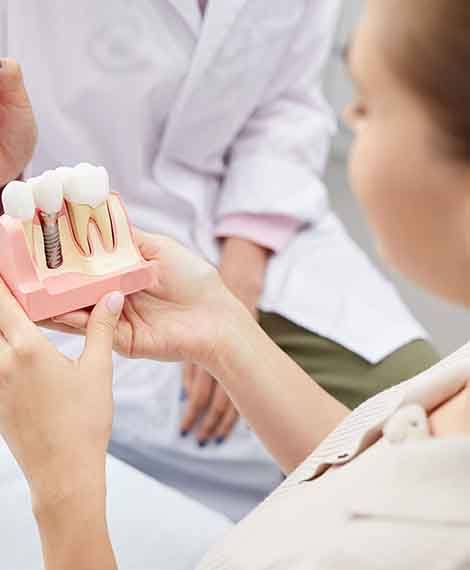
(401, 166)
(209, 410)
(56, 417)
(401, 178)
(17, 123)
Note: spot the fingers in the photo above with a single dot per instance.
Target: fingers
(101, 329)
(189, 370)
(226, 424)
(219, 419)
(199, 398)
(78, 320)
(11, 77)
(14, 324)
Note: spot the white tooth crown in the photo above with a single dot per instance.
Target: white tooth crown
(18, 200)
(48, 192)
(64, 173)
(87, 185)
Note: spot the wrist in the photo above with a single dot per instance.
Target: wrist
(243, 269)
(237, 327)
(74, 531)
(62, 481)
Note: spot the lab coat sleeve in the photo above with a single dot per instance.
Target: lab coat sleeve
(267, 230)
(276, 164)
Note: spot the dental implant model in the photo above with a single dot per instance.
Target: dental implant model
(65, 241)
(48, 196)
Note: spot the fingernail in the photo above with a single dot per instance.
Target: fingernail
(184, 433)
(115, 302)
(183, 395)
(202, 443)
(220, 440)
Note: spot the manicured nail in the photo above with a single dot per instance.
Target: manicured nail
(183, 395)
(184, 433)
(202, 443)
(115, 302)
(220, 440)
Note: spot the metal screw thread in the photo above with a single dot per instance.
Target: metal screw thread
(52, 244)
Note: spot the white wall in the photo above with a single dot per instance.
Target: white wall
(448, 325)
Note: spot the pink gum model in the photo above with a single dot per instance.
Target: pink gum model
(59, 294)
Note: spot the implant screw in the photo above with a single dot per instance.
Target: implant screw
(52, 245)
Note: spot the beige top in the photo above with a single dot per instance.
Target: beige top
(381, 504)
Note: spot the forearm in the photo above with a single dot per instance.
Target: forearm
(243, 268)
(287, 409)
(73, 528)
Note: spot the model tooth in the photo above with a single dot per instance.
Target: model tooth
(103, 221)
(87, 191)
(64, 173)
(18, 200)
(48, 192)
(88, 185)
(80, 215)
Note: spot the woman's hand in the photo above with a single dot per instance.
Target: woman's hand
(180, 318)
(56, 417)
(242, 268)
(189, 315)
(18, 132)
(55, 413)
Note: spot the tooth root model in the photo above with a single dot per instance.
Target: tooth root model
(48, 195)
(61, 255)
(87, 192)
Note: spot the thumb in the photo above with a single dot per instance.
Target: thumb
(101, 328)
(11, 79)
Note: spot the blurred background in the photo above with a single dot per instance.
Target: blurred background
(449, 326)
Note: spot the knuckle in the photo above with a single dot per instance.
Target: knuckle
(7, 361)
(199, 405)
(103, 324)
(209, 423)
(25, 348)
(218, 409)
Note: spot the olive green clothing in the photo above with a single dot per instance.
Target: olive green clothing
(344, 374)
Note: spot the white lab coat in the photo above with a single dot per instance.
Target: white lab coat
(196, 121)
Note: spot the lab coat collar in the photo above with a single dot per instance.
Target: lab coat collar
(217, 23)
(189, 11)
(218, 20)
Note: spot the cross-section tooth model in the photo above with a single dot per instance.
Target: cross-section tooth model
(87, 191)
(65, 241)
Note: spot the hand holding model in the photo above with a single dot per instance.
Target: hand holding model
(184, 315)
(56, 417)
